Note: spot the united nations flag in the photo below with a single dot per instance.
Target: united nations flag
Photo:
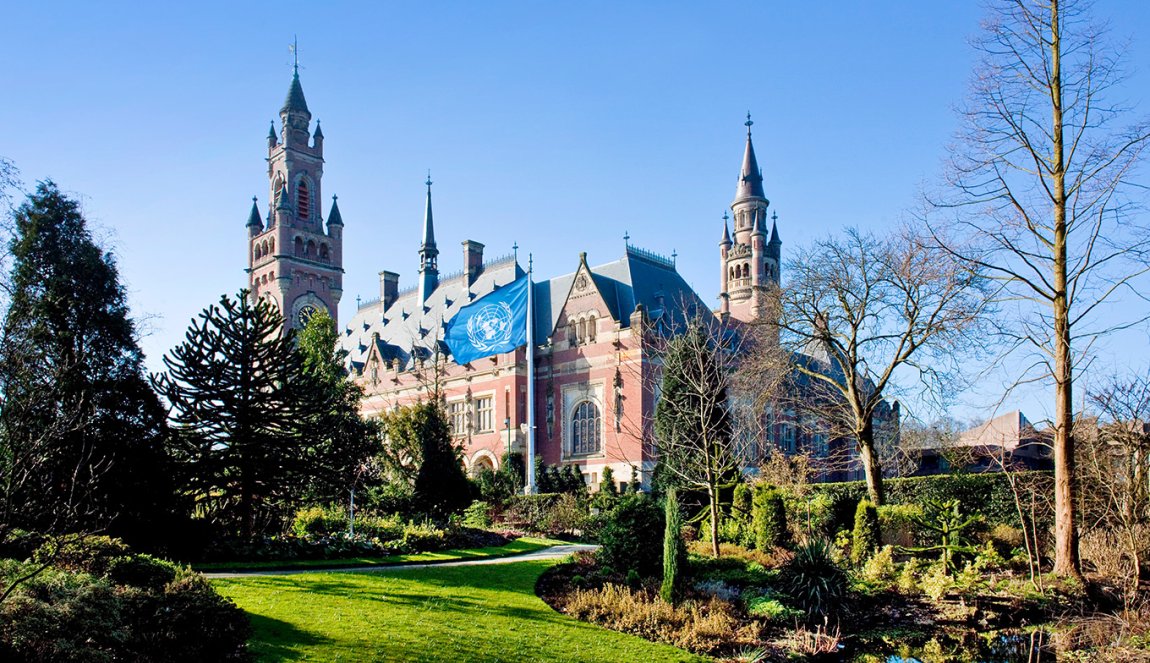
(493, 324)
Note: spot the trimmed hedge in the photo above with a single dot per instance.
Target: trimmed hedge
(988, 494)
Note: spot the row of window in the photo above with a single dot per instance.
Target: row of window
(581, 331)
(308, 250)
(478, 416)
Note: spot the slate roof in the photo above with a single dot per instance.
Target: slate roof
(408, 326)
(295, 101)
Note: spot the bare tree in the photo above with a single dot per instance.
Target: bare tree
(860, 315)
(1115, 464)
(1035, 184)
(694, 440)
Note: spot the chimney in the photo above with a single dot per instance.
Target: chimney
(388, 288)
(472, 260)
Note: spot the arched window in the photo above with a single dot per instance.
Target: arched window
(298, 247)
(256, 255)
(323, 254)
(591, 329)
(571, 337)
(272, 246)
(310, 252)
(303, 201)
(585, 429)
(746, 271)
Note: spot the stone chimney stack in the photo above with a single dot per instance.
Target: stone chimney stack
(472, 260)
(388, 288)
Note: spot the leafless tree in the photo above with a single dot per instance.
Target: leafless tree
(865, 317)
(1035, 199)
(1115, 464)
(694, 433)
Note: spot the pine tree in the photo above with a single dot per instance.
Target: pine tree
(867, 536)
(674, 551)
(441, 487)
(244, 406)
(81, 433)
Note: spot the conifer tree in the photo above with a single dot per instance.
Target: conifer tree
(243, 405)
(81, 433)
(674, 551)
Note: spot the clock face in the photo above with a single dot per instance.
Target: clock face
(305, 313)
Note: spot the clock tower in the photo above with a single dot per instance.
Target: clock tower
(294, 258)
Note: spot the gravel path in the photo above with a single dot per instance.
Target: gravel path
(554, 552)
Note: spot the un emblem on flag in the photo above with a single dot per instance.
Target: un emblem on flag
(490, 327)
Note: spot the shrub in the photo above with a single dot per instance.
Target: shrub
(810, 515)
(528, 511)
(769, 518)
(880, 569)
(477, 515)
(81, 553)
(771, 610)
(631, 535)
(607, 485)
(566, 514)
(908, 576)
(866, 535)
(674, 552)
(936, 582)
(742, 514)
(813, 579)
(423, 536)
(142, 571)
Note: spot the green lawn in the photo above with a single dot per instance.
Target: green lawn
(516, 547)
(460, 613)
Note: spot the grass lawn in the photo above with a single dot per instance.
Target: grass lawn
(518, 546)
(459, 613)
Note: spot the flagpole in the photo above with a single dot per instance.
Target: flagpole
(530, 380)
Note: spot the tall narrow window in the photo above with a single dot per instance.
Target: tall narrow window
(484, 414)
(585, 429)
(457, 414)
(303, 200)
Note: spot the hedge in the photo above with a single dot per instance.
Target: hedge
(988, 494)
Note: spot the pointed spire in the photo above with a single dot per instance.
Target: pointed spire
(756, 227)
(428, 225)
(334, 218)
(775, 229)
(726, 232)
(750, 177)
(319, 132)
(272, 131)
(254, 218)
(295, 102)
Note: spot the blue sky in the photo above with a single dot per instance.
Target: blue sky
(559, 126)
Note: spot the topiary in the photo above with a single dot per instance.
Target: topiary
(769, 518)
(631, 536)
(674, 551)
(142, 571)
(867, 536)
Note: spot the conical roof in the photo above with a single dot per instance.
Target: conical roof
(428, 224)
(750, 177)
(295, 102)
(254, 217)
(726, 233)
(334, 218)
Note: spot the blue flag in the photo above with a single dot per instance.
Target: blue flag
(494, 324)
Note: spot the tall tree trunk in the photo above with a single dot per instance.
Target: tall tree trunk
(713, 495)
(871, 466)
(1065, 519)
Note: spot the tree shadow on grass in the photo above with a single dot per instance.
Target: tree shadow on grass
(276, 640)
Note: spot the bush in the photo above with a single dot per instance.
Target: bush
(771, 610)
(317, 522)
(477, 515)
(528, 511)
(142, 571)
(897, 524)
(880, 570)
(813, 579)
(81, 553)
(742, 514)
(769, 518)
(866, 535)
(565, 515)
(607, 484)
(631, 536)
(420, 537)
(75, 616)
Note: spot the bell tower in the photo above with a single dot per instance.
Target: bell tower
(293, 259)
(749, 261)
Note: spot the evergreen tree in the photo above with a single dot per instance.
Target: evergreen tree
(867, 536)
(418, 450)
(607, 484)
(343, 442)
(244, 408)
(81, 433)
(674, 551)
(692, 419)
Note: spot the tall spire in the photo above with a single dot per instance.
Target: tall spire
(775, 229)
(254, 218)
(428, 225)
(295, 101)
(726, 241)
(334, 218)
(750, 177)
(428, 254)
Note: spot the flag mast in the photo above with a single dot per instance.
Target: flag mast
(530, 460)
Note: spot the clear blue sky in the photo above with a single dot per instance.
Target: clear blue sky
(555, 125)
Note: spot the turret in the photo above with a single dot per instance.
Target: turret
(774, 252)
(745, 264)
(294, 114)
(255, 225)
(283, 207)
(428, 253)
(724, 271)
(272, 139)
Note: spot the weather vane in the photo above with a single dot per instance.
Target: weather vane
(294, 50)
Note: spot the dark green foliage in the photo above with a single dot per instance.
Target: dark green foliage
(245, 407)
(545, 479)
(607, 484)
(769, 519)
(866, 536)
(949, 527)
(631, 536)
(80, 553)
(82, 436)
(674, 551)
(813, 580)
(142, 571)
(419, 451)
(62, 616)
(742, 512)
(987, 494)
(342, 442)
(573, 480)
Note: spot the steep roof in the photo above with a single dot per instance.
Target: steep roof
(295, 101)
(750, 177)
